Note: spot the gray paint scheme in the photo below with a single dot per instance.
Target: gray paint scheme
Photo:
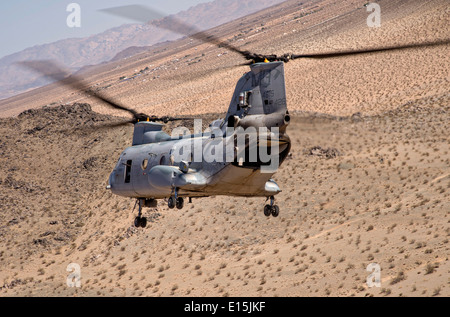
(157, 179)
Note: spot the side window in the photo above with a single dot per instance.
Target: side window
(128, 171)
(144, 164)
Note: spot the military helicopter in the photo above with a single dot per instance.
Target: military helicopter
(236, 156)
(159, 166)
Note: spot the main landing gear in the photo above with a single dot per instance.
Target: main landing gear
(271, 209)
(175, 201)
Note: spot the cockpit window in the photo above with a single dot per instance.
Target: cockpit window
(128, 171)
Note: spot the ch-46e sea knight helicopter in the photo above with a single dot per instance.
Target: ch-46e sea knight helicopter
(236, 157)
(218, 161)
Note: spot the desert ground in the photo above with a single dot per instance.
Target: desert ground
(367, 180)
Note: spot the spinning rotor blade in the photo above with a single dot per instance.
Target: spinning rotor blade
(122, 123)
(373, 50)
(53, 71)
(144, 14)
(96, 127)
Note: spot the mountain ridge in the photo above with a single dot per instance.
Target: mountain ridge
(114, 43)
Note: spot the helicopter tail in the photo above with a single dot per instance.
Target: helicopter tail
(260, 98)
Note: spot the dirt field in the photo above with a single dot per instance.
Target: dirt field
(367, 181)
(383, 199)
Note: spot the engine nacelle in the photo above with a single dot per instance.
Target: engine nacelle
(149, 132)
(273, 120)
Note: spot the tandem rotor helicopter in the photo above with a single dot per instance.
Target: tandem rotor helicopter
(160, 166)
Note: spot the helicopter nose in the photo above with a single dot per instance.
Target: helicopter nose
(111, 180)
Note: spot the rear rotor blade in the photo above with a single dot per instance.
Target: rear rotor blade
(144, 14)
(366, 51)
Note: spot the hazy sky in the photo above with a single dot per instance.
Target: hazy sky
(25, 23)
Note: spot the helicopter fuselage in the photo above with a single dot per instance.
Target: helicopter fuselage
(153, 170)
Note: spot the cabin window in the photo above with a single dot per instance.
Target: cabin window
(162, 161)
(144, 164)
(128, 171)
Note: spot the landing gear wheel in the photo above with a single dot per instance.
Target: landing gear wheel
(180, 203)
(171, 202)
(140, 222)
(137, 222)
(271, 209)
(275, 211)
(267, 210)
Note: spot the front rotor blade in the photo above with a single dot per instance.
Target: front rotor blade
(52, 70)
(146, 15)
(366, 51)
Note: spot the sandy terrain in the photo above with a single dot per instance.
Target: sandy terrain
(383, 198)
